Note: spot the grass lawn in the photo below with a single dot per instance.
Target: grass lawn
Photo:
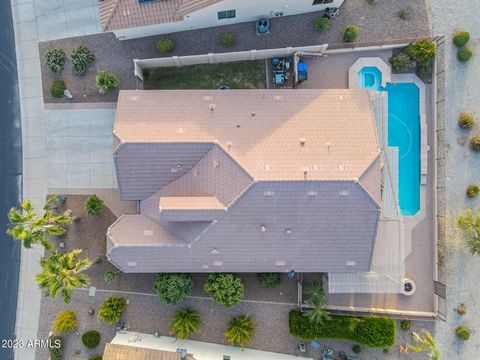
(236, 75)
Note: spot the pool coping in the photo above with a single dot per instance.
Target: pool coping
(368, 62)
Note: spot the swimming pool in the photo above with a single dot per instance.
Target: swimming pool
(403, 132)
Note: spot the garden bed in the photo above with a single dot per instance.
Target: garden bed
(235, 75)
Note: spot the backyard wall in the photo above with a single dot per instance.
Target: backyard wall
(246, 10)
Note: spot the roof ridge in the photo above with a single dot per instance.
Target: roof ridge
(111, 7)
(359, 182)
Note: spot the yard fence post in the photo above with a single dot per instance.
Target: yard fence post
(137, 69)
(176, 61)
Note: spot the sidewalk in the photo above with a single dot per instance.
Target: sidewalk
(37, 21)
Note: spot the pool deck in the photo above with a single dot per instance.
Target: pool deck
(332, 72)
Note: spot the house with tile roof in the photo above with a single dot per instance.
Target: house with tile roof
(246, 181)
(129, 19)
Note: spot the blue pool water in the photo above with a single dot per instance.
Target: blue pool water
(403, 132)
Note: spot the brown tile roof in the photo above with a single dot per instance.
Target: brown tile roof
(124, 352)
(121, 14)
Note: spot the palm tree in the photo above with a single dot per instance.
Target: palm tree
(185, 322)
(425, 343)
(61, 273)
(316, 304)
(26, 226)
(240, 330)
(470, 224)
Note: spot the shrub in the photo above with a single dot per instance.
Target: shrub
(462, 333)
(460, 38)
(106, 81)
(173, 288)
(64, 322)
(400, 62)
(350, 33)
(475, 143)
(240, 330)
(269, 280)
(109, 276)
(405, 325)
(95, 357)
(94, 205)
(82, 59)
(423, 52)
(461, 310)
(321, 24)
(404, 14)
(185, 322)
(370, 331)
(112, 309)
(55, 348)
(165, 46)
(464, 54)
(225, 289)
(57, 89)
(227, 39)
(473, 190)
(466, 121)
(91, 339)
(55, 60)
(356, 348)
(424, 71)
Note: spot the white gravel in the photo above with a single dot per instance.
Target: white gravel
(462, 169)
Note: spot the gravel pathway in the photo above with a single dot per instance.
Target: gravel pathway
(378, 22)
(462, 169)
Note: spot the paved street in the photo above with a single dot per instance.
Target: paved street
(10, 179)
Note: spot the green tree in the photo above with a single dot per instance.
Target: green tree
(61, 273)
(185, 322)
(112, 309)
(316, 303)
(240, 331)
(423, 51)
(425, 343)
(173, 287)
(94, 205)
(64, 322)
(226, 289)
(470, 224)
(26, 226)
(106, 81)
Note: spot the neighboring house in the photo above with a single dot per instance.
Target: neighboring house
(137, 18)
(246, 181)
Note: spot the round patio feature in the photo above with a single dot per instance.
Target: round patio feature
(367, 70)
(408, 287)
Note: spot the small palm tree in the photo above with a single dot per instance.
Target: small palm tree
(470, 224)
(240, 330)
(425, 343)
(61, 273)
(315, 290)
(316, 312)
(94, 205)
(185, 322)
(26, 226)
(64, 322)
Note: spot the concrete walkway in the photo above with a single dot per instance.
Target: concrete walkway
(37, 20)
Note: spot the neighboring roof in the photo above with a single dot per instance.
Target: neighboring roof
(300, 180)
(125, 352)
(121, 14)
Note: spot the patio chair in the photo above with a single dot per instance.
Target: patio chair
(315, 345)
(301, 347)
(279, 78)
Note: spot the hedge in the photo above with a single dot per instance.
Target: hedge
(376, 332)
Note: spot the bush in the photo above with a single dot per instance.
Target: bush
(400, 62)
(106, 81)
(112, 309)
(185, 322)
(55, 348)
(55, 60)
(462, 333)
(269, 280)
(475, 143)
(473, 190)
(356, 348)
(377, 332)
(424, 71)
(82, 59)
(423, 52)
(464, 54)
(240, 330)
(165, 46)
(109, 276)
(94, 205)
(225, 289)
(95, 357)
(405, 325)
(227, 39)
(461, 310)
(350, 33)
(91, 339)
(404, 14)
(460, 38)
(173, 288)
(64, 322)
(57, 88)
(321, 24)
(466, 121)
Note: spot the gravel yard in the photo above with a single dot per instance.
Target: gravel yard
(378, 22)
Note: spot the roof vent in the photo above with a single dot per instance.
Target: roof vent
(278, 97)
(147, 232)
(208, 98)
(302, 141)
(341, 167)
(279, 263)
(268, 193)
(134, 97)
(344, 192)
(327, 144)
(214, 252)
(217, 263)
(196, 172)
(267, 167)
(305, 170)
(312, 193)
(350, 263)
(131, 263)
(212, 106)
(315, 167)
(126, 12)
(181, 130)
(216, 163)
(263, 228)
(342, 97)
(288, 231)
(205, 266)
(229, 143)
